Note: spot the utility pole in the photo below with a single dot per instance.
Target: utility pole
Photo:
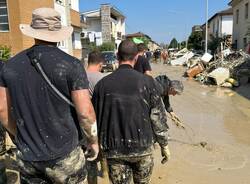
(68, 19)
(206, 26)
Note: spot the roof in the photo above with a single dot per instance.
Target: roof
(233, 2)
(228, 11)
(138, 34)
(96, 13)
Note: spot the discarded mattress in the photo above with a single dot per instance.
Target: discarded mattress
(220, 75)
(182, 60)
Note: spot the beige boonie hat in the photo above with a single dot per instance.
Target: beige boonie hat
(46, 25)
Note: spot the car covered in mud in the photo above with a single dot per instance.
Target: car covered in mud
(110, 61)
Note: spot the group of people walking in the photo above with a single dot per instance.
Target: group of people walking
(61, 117)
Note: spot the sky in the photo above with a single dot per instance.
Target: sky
(162, 20)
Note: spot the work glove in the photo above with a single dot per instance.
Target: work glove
(165, 154)
(92, 152)
(176, 120)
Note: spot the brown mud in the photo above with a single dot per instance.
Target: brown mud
(218, 117)
(215, 148)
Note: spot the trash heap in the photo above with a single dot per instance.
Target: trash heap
(223, 71)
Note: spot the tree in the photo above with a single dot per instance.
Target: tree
(173, 43)
(5, 52)
(214, 44)
(183, 44)
(108, 46)
(194, 41)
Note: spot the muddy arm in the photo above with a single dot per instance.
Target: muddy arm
(6, 117)
(159, 121)
(86, 114)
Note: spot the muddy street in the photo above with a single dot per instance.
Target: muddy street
(219, 117)
(216, 116)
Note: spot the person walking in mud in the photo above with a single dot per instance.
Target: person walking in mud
(2, 130)
(170, 87)
(95, 61)
(45, 127)
(164, 56)
(142, 65)
(3, 177)
(130, 118)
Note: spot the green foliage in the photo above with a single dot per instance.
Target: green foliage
(194, 41)
(5, 52)
(92, 46)
(109, 46)
(173, 43)
(183, 45)
(214, 44)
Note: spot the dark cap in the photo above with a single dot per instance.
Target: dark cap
(166, 83)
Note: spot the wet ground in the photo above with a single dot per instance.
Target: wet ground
(220, 117)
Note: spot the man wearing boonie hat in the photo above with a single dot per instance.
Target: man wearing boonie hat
(46, 127)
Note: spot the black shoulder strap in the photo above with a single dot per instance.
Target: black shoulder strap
(35, 59)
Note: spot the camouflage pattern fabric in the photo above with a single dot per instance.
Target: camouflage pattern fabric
(2, 139)
(124, 170)
(92, 170)
(70, 170)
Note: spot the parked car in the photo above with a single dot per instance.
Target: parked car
(110, 61)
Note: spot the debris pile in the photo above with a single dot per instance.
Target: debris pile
(224, 71)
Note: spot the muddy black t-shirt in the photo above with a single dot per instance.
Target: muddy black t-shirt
(46, 125)
(142, 65)
(1, 65)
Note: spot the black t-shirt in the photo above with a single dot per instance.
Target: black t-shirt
(142, 65)
(46, 125)
(1, 65)
(123, 111)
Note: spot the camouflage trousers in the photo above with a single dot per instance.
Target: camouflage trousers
(69, 170)
(124, 170)
(2, 139)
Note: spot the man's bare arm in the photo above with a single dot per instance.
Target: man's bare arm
(6, 117)
(86, 114)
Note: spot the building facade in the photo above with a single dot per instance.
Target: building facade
(197, 28)
(241, 25)
(106, 24)
(16, 12)
(221, 24)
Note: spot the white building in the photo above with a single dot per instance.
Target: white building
(104, 25)
(69, 10)
(221, 24)
(241, 26)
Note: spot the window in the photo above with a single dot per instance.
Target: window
(237, 16)
(235, 44)
(214, 27)
(61, 2)
(4, 22)
(246, 11)
(61, 44)
(245, 42)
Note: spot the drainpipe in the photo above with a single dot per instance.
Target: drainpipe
(206, 26)
(68, 20)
